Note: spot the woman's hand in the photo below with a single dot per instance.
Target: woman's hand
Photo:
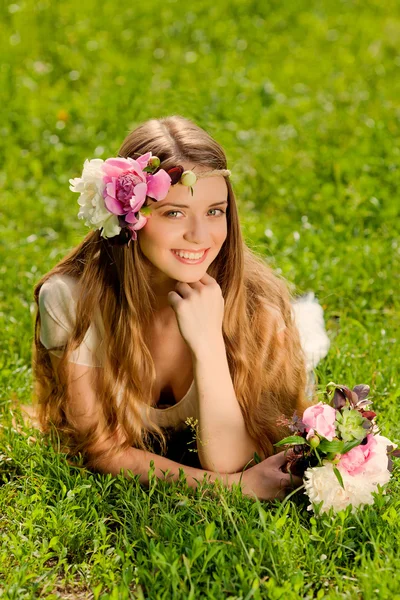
(199, 309)
(266, 481)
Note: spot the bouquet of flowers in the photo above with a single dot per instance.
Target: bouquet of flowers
(337, 448)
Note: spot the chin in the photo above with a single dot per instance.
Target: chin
(195, 277)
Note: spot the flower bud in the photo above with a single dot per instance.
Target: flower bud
(145, 211)
(188, 178)
(337, 459)
(314, 441)
(154, 162)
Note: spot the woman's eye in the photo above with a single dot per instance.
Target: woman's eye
(178, 211)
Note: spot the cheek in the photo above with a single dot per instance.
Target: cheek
(158, 233)
(223, 232)
(148, 237)
(153, 229)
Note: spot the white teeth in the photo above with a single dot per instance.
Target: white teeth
(188, 255)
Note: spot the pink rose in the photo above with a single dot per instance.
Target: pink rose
(354, 461)
(320, 418)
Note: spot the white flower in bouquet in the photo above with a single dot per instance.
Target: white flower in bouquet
(321, 483)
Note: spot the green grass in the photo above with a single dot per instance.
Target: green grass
(304, 97)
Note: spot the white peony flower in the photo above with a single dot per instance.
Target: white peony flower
(110, 226)
(91, 201)
(321, 483)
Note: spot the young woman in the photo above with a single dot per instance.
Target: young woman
(163, 318)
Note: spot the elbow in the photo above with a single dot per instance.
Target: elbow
(105, 460)
(106, 464)
(99, 463)
(221, 470)
(108, 453)
(119, 461)
(233, 460)
(224, 467)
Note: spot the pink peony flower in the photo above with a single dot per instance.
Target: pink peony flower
(355, 461)
(141, 222)
(310, 434)
(126, 185)
(320, 418)
(158, 184)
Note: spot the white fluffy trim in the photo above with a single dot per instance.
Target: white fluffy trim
(309, 317)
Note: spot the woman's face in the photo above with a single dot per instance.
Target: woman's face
(192, 225)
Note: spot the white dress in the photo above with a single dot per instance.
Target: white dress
(57, 303)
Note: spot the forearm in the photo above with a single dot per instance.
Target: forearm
(223, 443)
(138, 462)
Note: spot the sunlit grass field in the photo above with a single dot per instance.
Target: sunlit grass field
(304, 97)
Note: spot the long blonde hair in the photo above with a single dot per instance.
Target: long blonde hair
(268, 375)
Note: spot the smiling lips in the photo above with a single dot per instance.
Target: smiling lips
(184, 256)
(190, 251)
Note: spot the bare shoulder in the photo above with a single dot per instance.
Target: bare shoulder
(81, 383)
(84, 406)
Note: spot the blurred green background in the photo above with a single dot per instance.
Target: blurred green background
(303, 96)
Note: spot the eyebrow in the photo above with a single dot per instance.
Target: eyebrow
(186, 206)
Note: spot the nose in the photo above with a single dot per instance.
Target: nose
(197, 232)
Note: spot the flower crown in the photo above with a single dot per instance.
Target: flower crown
(113, 191)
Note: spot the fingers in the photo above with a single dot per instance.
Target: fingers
(173, 299)
(281, 495)
(183, 289)
(277, 460)
(196, 285)
(207, 279)
(292, 481)
(287, 480)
